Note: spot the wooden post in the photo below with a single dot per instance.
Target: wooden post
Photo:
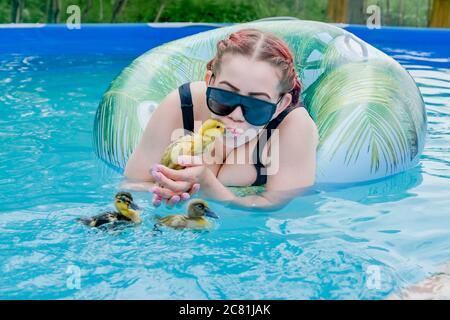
(440, 14)
(346, 11)
(430, 4)
(338, 10)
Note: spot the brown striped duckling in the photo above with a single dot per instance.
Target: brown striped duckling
(195, 219)
(127, 211)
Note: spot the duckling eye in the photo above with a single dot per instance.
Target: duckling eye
(218, 127)
(200, 206)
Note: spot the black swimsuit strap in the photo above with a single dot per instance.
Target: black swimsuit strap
(187, 108)
(257, 152)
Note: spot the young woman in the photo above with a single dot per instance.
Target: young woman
(253, 85)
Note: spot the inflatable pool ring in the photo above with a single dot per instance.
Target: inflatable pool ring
(369, 112)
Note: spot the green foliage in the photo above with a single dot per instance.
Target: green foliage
(400, 12)
(403, 12)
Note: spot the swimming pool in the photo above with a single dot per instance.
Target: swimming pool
(360, 241)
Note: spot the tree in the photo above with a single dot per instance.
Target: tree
(440, 14)
(388, 15)
(117, 9)
(53, 11)
(356, 11)
(16, 10)
(160, 10)
(100, 13)
(87, 8)
(401, 12)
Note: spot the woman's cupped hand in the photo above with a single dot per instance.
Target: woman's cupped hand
(175, 186)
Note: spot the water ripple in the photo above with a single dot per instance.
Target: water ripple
(321, 246)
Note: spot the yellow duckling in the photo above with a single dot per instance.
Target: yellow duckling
(195, 218)
(193, 144)
(127, 211)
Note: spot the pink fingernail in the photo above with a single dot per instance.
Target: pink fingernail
(156, 203)
(156, 190)
(156, 198)
(185, 196)
(156, 175)
(175, 199)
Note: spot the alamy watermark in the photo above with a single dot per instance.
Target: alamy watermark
(374, 19)
(268, 154)
(74, 279)
(373, 280)
(74, 19)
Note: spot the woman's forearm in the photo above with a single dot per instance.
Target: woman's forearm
(255, 201)
(213, 188)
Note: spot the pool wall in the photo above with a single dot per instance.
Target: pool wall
(138, 38)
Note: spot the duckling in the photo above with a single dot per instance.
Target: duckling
(197, 210)
(193, 144)
(127, 211)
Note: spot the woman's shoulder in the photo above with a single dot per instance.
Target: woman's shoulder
(198, 85)
(299, 123)
(198, 88)
(195, 87)
(198, 93)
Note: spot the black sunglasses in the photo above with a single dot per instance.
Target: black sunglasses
(257, 112)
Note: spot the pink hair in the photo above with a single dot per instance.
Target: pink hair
(262, 46)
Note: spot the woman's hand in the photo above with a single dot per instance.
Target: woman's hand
(179, 185)
(171, 198)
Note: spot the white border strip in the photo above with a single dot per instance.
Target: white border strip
(22, 25)
(182, 24)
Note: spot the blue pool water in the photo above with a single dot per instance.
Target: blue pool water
(362, 241)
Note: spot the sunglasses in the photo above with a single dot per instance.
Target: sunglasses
(257, 112)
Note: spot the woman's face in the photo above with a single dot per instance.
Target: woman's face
(242, 75)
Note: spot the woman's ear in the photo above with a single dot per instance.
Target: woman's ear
(283, 104)
(208, 76)
(287, 99)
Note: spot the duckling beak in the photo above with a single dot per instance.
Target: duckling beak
(211, 214)
(134, 206)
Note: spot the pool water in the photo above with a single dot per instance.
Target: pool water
(363, 241)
